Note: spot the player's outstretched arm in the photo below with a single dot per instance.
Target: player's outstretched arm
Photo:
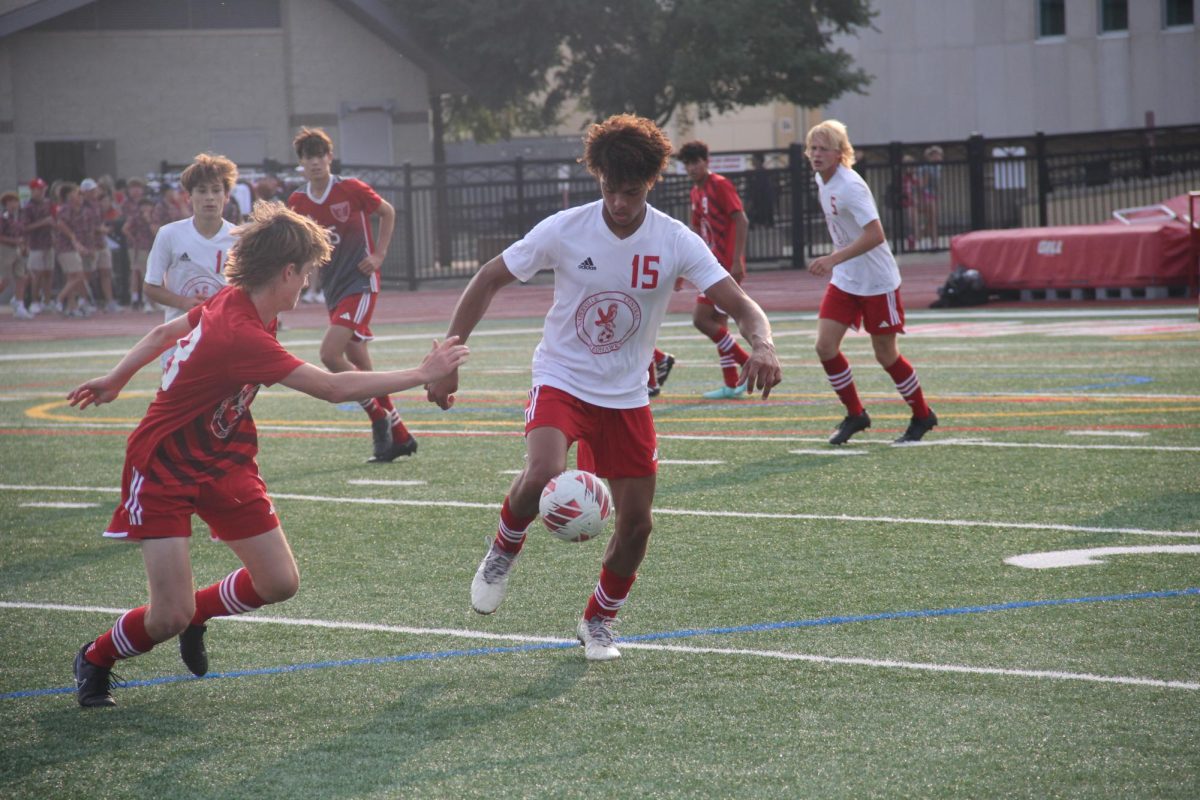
(442, 359)
(105, 389)
(472, 304)
(762, 371)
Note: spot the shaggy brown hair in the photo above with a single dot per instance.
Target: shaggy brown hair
(208, 168)
(273, 237)
(625, 149)
(312, 142)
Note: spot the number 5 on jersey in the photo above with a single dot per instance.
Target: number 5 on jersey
(645, 272)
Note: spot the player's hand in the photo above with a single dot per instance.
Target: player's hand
(371, 264)
(822, 266)
(95, 392)
(441, 366)
(762, 371)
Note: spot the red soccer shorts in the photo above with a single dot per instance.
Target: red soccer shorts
(622, 440)
(355, 312)
(878, 313)
(235, 506)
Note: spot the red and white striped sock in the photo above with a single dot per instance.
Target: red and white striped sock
(841, 378)
(126, 639)
(659, 356)
(234, 594)
(908, 386)
(373, 409)
(510, 533)
(611, 592)
(732, 355)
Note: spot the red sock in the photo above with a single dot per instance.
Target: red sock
(510, 534)
(841, 378)
(610, 594)
(909, 387)
(232, 595)
(373, 409)
(126, 639)
(652, 379)
(732, 355)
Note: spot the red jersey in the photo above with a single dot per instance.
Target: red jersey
(199, 425)
(714, 203)
(345, 211)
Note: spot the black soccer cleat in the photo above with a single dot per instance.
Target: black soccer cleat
(852, 424)
(394, 451)
(192, 650)
(93, 685)
(662, 369)
(381, 438)
(918, 428)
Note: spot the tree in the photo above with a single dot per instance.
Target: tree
(652, 57)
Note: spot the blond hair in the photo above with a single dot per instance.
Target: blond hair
(273, 237)
(833, 134)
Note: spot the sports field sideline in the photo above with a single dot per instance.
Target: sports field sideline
(1005, 610)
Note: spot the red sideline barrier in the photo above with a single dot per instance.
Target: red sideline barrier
(1112, 255)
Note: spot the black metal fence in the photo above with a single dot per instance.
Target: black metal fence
(453, 218)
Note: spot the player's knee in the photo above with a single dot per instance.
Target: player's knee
(164, 621)
(278, 586)
(825, 351)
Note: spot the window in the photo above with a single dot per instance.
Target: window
(1178, 13)
(1052, 18)
(1114, 16)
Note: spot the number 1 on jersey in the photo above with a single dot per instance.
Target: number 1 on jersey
(645, 275)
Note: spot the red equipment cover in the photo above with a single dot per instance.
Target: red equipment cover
(1110, 255)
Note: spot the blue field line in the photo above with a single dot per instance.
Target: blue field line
(645, 637)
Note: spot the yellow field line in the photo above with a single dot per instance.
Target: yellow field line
(46, 412)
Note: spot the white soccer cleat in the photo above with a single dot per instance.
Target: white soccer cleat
(490, 583)
(596, 635)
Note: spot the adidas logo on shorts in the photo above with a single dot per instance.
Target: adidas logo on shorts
(586, 264)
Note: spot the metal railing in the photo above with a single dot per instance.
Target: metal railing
(452, 218)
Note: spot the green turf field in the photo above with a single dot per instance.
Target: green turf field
(810, 621)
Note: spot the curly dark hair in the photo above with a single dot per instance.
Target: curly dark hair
(693, 151)
(626, 149)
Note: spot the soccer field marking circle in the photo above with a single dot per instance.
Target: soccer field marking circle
(1093, 555)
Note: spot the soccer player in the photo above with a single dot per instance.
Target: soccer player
(718, 217)
(615, 263)
(350, 283)
(194, 451)
(864, 287)
(12, 260)
(186, 264)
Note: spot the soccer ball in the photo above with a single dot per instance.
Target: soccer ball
(575, 505)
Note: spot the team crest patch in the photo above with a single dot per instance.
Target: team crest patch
(340, 211)
(605, 321)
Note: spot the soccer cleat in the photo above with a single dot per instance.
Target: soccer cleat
(192, 650)
(596, 636)
(93, 685)
(654, 391)
(726, 393)
(490, 583)
(381, 437)
(663, 368)
(394, 450)
(918, 428)
(852, 424)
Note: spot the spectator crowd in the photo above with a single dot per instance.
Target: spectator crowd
(75, 249)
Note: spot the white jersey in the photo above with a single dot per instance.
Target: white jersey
(610, 296)
(849, 207)
(187, 263)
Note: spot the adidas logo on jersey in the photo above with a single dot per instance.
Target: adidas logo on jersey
(185, 257)
(586, 264)
(884, 324)
(344, 315)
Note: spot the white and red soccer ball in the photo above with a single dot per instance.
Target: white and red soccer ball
(575, 505)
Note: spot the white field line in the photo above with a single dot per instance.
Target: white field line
(829, 451)
(372, 482)
(670, 648)
(681, 512)
(1121, 434)
(971, 442)
(59, 505)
